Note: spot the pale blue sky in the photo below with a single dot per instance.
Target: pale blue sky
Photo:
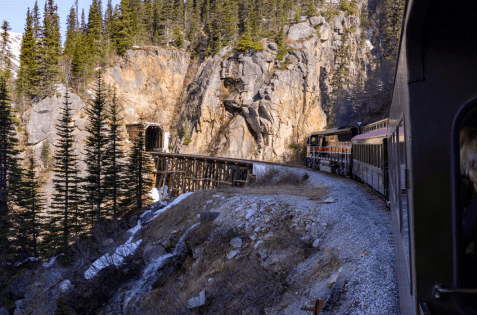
(14, 11)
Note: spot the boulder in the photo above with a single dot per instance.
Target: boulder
(236, 242)
(340, 23)
(316, 243)
(317, 20)
(209, 216)
(272, 46)
(232, 254)
(152, 252)
(4, 311)
(197, 301)
(66, 286)
(325, 32)
(19, 287)
(300, 30)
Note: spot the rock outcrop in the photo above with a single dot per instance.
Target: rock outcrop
(253, 106)
(149, 83)
(43, 117)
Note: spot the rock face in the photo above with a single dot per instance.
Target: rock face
(43, 117)
(149, 82)
(252, 106)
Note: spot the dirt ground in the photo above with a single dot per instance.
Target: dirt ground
(274, 248)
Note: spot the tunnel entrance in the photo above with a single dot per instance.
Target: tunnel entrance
(153, 138)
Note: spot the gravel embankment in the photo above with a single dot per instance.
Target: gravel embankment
(357, 233)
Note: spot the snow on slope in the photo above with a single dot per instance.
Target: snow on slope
(15, 48)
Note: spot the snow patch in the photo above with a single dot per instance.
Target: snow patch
(15, 50)
(259, 169)
(25, 261)
(117, 258)
(154, 193)
(368, 42)
(52, 261)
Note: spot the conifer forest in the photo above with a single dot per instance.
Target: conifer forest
(108, 182)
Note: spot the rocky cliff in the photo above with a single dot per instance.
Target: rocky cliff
(253, 106)
(149, 82)
(233, 104)
(243, 105)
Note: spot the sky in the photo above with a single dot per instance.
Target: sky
(14, 11)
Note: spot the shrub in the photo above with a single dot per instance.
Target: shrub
(186, 141)
(246, 43)
(329, 14)
(292, 146)
(349, 7)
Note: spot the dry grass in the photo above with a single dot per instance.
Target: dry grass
(179, 217)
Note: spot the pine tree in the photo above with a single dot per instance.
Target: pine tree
(124, 34)
(50, 49)
(95, 146)
(35, 15)
(310, 8)
(139, 174)
(5, 53)
(109, 26)
(63, 218)
(297, 16)
(27, 82)
(179, 38)
(95, 34)
(114, 167)
(27, 219)
(192, 20)
(71, 33)
(10, 171)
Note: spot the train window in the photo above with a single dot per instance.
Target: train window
(465, 198)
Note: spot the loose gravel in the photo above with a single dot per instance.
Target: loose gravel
(358, 233)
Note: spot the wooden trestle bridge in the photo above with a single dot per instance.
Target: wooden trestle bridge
(183, 173)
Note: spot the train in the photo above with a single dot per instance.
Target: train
(423, 158)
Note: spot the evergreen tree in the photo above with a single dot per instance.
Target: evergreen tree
(179, 38)
(139, 174)
(95, 146)
(35, 15)
(95, 34)
(114, 167)
(28, 218)
(62, 216)
(156, 20)
(5, 53)
(50, 49)
(71, 33)
(297, 16)
(310, 9)
(109, 26)
(192, 20)
(27, 82)
(10, 171)
(124, 35)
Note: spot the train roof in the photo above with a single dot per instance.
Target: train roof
(382, 133)
(379, 133)
(334, 131)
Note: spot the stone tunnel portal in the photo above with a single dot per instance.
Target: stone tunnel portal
(154, 138)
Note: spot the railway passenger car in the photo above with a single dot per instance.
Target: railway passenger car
(370, 156)
(330, 150)
(432, 145)
(431, 140)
